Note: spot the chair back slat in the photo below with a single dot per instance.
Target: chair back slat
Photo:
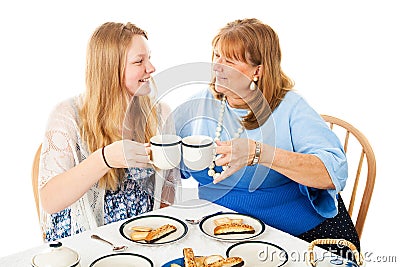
(35, 183)
(360, 182)
(346, 141)
(35, 175)
(355, 185)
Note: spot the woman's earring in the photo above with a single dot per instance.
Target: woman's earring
(253, 85)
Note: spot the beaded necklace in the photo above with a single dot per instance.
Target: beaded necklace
(218, 130)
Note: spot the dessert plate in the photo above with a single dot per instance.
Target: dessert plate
(155, 221)
(258, 253)
(122, 260)
(207, 226)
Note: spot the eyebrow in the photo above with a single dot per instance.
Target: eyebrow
(135, 57)
(139, 55)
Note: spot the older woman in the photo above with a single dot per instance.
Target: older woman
(276, 158)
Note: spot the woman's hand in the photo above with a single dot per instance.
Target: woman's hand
(127, 153)
(235, 154)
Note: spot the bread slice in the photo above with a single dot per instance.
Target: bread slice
(159, 233)
(222, 220)
(199, 261)
(141, 228)
(188, 257)
(238, 221)
(138, 236)
(233, 228)
(228, 262)
(212, 258)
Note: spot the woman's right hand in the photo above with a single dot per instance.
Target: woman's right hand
(127, 153)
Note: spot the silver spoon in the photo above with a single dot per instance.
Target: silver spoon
(197, 221)
(194, 221)
(115, 248)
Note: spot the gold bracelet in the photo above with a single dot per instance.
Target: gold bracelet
(257, 154)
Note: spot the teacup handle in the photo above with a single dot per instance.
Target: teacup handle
(328, 241)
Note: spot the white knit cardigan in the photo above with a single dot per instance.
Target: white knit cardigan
(63, 149)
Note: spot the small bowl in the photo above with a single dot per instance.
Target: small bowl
(56, 256)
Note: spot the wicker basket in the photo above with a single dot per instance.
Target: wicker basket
(312, 261)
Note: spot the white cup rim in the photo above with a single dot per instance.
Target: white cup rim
(175, 142)
(197, 145)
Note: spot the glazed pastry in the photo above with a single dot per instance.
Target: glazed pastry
(188, 257)
(159, 233)
(233, 228)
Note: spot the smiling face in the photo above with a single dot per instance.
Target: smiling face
(138, 68)
(233, 78)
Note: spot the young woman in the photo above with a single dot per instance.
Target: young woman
(94, 161)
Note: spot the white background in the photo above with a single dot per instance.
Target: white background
(343, 55)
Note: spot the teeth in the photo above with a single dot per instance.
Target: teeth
(145, 80)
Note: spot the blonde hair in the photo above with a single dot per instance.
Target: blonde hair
(255, 43)
(106, 99)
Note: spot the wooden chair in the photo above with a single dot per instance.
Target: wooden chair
(363, 184)
(35, 182)
(35, 176)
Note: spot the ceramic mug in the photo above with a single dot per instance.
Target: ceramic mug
(165, 151)
(198, 151)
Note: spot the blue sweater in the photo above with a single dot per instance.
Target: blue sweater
(258, 190)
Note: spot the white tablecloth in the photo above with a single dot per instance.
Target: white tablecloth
(90, 249)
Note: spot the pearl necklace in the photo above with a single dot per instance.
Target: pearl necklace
(218, 130)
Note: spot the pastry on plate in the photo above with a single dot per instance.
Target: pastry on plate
(188, 257)
(233, 228)
(138, 236)
(139, 228)
(159, 233)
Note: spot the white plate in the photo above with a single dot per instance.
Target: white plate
(258, 254)
(207, 226)
(122, 260)
(155, 221)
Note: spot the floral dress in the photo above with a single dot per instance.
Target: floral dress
(141, 189)
(133, 197)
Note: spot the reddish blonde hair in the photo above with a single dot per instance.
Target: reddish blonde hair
(255, 43)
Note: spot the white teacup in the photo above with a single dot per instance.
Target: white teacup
(198, 151)
(165, 151)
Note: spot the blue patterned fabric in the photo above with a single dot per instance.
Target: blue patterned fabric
(133, 197)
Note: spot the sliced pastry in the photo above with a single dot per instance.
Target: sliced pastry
(159, 233)
(188, 258)
(233, 228)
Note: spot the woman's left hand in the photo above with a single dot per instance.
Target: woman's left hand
(235, 154)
